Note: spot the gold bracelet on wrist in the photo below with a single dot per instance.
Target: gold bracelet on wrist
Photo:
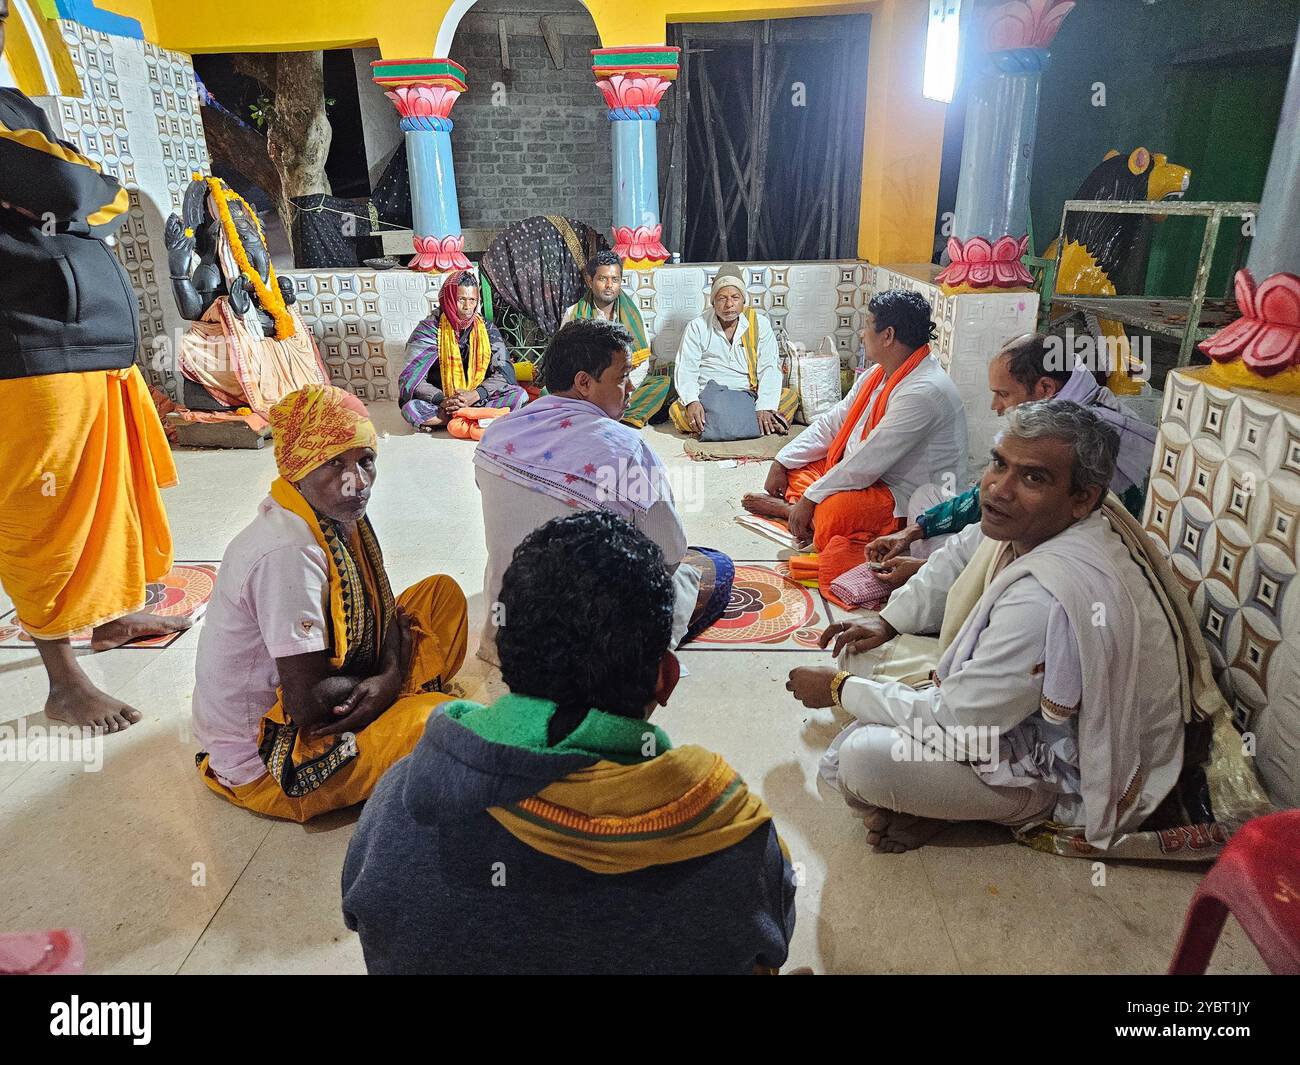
(837, 685)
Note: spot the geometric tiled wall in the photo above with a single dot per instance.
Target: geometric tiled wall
(1224, 503)
(362, 319)
(139, 119)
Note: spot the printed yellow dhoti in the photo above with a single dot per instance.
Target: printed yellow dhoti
(306, 778)
(82, 524)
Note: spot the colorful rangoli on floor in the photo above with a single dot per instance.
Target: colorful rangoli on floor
(768, 611)
(184, 591)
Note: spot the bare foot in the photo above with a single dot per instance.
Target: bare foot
(432, 425)
(85, 706)
(135, 627)
(766, 506)
(893, 833)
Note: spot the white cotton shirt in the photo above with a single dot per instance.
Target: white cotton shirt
(921, 440)
(705, 355)
(271, 601)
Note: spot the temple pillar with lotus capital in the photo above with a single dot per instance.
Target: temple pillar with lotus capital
(424, 90)
(633, 80)
(990, 231)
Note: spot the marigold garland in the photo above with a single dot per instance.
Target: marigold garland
(268, 292)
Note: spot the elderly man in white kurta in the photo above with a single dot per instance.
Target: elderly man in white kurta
(1058, 693)
(856, 470)
(735, 348)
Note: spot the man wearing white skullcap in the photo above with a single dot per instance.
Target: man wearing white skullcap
(735, 347)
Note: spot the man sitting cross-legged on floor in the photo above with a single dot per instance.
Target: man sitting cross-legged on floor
(568, 451)
(1026, 368)
(557, 830)
(311, 678)
(1058, 693)
(731, 347)
(853, 473)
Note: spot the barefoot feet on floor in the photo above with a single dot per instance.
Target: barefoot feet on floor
(766, 506)
(85, 706)
(432, 425)
(893, 833)
(135, 627)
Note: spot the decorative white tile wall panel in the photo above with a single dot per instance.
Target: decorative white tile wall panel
(1224, 505)
(348, 310)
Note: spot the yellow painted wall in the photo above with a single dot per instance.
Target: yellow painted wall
(902, 143)
(409, 27)
(140, 10)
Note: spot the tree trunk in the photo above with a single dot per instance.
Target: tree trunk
(298, 132)
(240, 149)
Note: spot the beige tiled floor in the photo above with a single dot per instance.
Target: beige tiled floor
(162, 876)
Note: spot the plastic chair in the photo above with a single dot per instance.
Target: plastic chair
(1257, 880)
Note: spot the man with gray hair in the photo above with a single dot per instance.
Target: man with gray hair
(1057, 695)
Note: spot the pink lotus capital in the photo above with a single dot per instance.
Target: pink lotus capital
(439, 254)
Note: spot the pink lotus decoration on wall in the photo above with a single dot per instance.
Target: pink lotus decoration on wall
(1025, 23)
(642, 244)
(439, 254)
(979, 264)
(631, 91)
(1267, 335)
(423, 101)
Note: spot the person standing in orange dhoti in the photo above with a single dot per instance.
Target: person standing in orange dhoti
(902, 426)
(82, 525)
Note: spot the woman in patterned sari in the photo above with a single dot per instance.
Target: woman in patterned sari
(312, 678)
(457, 362)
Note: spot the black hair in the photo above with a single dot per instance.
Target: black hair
(907, 312)
(602, 258)
(1028, 362)
(584, 344)
(587, 608)
(469, 278)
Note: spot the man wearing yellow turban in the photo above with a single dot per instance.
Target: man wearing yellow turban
(312, 678)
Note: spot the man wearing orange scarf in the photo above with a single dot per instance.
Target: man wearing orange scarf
(853, 473)
(312, 678)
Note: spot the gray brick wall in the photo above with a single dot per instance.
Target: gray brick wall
(546, 150)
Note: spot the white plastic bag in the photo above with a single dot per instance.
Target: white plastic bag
(816, 376)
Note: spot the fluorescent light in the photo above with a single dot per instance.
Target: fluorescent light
(941, 49)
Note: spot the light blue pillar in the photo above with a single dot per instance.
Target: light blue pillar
(434, 205)
(636, 173)
(997, 152)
